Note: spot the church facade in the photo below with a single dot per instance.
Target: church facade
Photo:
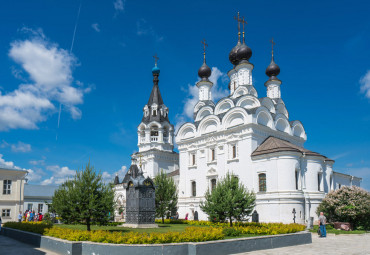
(250, 136)
(253, 138)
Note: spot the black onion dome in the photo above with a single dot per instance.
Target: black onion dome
(204, 71)
(243, 53)
(232, 54)
(273, 69)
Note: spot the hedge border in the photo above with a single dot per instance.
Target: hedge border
(220, 247)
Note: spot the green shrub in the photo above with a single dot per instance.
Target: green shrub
(35, 227)
(171, 221)
(231, 231)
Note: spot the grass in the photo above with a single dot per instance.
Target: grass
(162, 228)
(338, 232)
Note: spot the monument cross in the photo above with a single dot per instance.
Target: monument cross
(239, 20)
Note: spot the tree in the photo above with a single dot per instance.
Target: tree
(165, 195)
(85, 199)
(347, 204)
(228, 200)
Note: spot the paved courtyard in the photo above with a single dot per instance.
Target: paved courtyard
(9, 246)
(338, 245)
(332, 244)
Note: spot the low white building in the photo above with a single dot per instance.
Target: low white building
(11, 196)
(37, 197)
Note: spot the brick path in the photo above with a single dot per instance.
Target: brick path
(332, 244)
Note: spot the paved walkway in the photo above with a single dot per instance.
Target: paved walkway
(332, 244)
(10, 246)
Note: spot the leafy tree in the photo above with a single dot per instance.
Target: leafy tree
(85, 199)
(228, 200)
(165, 195)
(347, 204)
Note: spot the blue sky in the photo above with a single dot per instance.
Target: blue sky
(104, 81)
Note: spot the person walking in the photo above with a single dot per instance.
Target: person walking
(322, 223)
(20, 217)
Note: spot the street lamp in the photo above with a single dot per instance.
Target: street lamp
(294, 212)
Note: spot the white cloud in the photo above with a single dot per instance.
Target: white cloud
(365, 84)
(95, 26)
(341, 155)
(49, 69)
(193, 96)
(21, 147)
(34, 176)
(143, 28)
(60, 175)
(119, 6)
(107, 177)
(7, 164)
(40, 162)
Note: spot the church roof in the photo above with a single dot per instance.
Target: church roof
(174, 173)
(273, 144)
(155, 96)
(155, 102)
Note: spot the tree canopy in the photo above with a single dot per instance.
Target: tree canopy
(165, 195)
(229, 200)
(347, 204)
(84, 199)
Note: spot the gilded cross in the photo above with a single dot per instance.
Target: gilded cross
(272, 45)
(204, 48)
(155, 59)
(238, 19)
(244, 23)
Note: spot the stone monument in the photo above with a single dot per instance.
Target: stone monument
(140, 200)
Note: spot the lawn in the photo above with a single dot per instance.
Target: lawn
(163, 228)
(338, 232)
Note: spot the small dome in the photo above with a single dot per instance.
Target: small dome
(243, 53)
(204, 71)
(273, 69)
(156, 70)
(232, 54)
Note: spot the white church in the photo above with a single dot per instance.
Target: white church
(249, 136)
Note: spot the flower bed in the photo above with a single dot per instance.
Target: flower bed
(193, 233)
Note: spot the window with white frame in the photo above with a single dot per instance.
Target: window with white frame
(233, 151)
(212, 154)
(296, 179)
(319, 177)
(5, 213)
(40, 208)
(29, 207)
(7, 187)
(213, 184)
(193, 188)
(262, 182)
(193, 159)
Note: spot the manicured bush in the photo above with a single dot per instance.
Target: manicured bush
(35, 227)
(171, 221)
(191, 234)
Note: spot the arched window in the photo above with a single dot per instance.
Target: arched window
(296, 179)
(213, 184)
(194, 188)
(262, 182)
